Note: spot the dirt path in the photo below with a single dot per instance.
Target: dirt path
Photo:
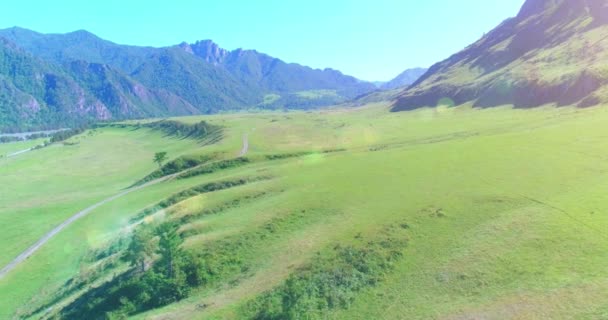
(31, 250)
(27, 253)
(245, 148)
(18, 153)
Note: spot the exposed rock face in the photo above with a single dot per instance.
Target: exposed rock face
(209, 51)
(552, 52)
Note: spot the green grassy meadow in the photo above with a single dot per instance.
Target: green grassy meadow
(9, 148)
(503, 212)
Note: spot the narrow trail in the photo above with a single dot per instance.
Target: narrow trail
(245, 148)
(18, 153)
(36, 246)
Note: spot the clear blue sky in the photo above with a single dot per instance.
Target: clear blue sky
(369, 39)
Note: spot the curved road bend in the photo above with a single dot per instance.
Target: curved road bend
(31, 250)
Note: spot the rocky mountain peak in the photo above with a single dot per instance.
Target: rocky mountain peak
(209, 51)
(186, 47)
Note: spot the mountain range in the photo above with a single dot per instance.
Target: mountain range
(404, 79)
(552, 52)
(49, 80)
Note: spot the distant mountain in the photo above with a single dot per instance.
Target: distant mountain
(38, 94)
(113, 81)
(124, 96)
(274, 75)
(404, 79)
(553, 51)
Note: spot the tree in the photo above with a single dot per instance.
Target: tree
(169, 248)
(141, 248)
(160, 157)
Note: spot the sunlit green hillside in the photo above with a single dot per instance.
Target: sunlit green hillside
(446, 213)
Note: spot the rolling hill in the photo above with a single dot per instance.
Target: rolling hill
(342, 214)
(122, 82)
(552, 52)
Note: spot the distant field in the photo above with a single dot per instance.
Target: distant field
(502, 212)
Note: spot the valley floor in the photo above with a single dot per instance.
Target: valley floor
(444, 213)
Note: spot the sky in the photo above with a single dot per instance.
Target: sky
(372, 40)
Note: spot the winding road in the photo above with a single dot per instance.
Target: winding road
(36, 246)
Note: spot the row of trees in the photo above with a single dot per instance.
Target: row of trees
(198, 130)
(66, 134)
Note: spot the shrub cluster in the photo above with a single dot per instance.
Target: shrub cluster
(216, 166)
(330, 281)
(66, 134)
(180, 164)
(176, 128)
(169, 280)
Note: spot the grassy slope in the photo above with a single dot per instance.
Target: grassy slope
(521, 191)
(518, 189)
(8, 148)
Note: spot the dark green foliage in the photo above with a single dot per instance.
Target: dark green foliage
(332, 280)
(24, 137)
(214, 167)
(198, 130)
(66, 134)
(168, 248)
(160, 158)
(137, 291)
(204, 188)
(8, 139)
(180, 164)
(141, 248)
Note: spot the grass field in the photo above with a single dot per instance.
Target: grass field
(9, 148)
(503, 212)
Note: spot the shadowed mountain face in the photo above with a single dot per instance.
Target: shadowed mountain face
(274, 75)
(98, 79)
(32, 90)
(551, 52)
(404, 79)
